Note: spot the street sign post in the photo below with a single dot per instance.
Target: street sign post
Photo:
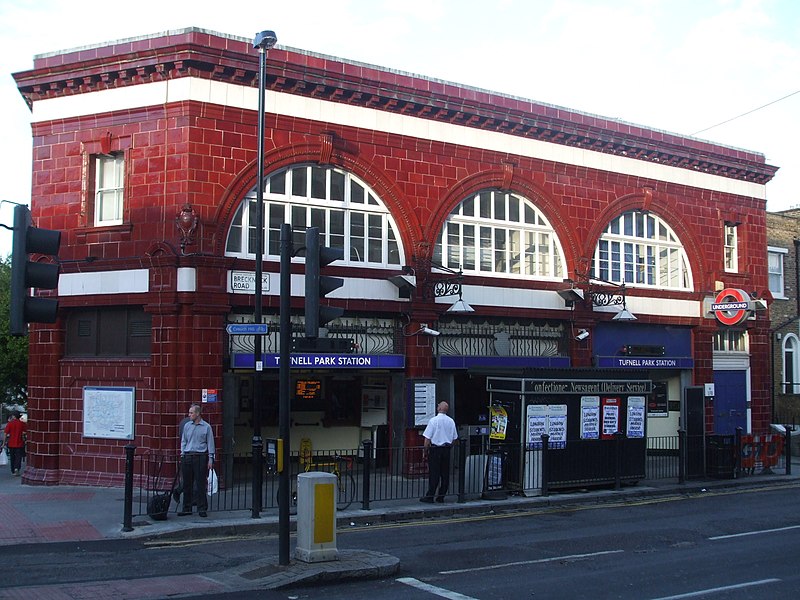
(247, 328)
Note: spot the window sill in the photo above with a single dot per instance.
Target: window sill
(88, 233)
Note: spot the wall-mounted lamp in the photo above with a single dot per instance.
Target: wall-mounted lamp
(449, 285)
(571, 295)
(601, 296)
(582, 335)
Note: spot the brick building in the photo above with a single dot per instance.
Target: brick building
(548, 222)
(783, 239)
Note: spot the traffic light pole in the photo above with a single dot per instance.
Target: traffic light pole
(285, 342)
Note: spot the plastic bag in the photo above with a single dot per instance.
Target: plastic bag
(213, 484)
(3, 457)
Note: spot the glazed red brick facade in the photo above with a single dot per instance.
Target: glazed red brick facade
(204, 154)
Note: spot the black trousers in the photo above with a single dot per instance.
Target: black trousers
(438, 471)
(15, 458)
(194, 471)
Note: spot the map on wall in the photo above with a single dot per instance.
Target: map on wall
(108, 412)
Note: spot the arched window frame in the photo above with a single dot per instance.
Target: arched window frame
(790, 376)
(640, 249)
(501, 234)
(348, 213)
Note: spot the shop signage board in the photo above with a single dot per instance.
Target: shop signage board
(323, 361)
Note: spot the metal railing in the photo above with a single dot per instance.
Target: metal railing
(372, 474)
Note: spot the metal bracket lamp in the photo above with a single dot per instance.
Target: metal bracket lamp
(449, 285)
(602, 296)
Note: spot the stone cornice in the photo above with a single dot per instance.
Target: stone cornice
(195, 53)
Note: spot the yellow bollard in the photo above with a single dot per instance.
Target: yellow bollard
(316, 517)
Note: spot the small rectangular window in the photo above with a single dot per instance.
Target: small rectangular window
(108, 189)
(775, 267)
(731, 248)
(113, 332)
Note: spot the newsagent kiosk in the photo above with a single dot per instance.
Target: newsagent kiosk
(594, 427)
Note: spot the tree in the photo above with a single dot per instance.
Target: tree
(13, 350)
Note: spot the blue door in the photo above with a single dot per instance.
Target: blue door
(730, 401)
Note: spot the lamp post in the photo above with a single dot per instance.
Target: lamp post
(263, 41)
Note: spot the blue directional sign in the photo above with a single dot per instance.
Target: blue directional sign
(247, 328)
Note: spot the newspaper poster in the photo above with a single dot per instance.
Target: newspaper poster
(590, 417)
(610, 417)
(636, 406)
(499, 423)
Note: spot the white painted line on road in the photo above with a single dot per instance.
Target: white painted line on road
(746, 533)
(726, 588)
(433, 589)
(531, 562)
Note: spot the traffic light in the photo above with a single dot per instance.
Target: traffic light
(318, 286)
(26, 274)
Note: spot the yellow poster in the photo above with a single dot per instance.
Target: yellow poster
(499, 422)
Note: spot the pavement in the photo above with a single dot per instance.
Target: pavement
(46, 514)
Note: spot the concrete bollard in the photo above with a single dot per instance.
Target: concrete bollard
(316, 517)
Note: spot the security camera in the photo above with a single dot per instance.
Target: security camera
(428, 331)
(582, 335)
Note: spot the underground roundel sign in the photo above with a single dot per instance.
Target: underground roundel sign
(731, 306)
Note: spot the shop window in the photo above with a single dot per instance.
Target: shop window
(731, 248)
(641, 250)
(499, 233)
(775, 258)
(347, 212)
(791, 372)
(98, 332)
(109, 183)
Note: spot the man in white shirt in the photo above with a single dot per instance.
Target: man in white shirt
(440, 434)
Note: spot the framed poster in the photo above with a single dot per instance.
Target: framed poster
(424, 396)
(108, 412)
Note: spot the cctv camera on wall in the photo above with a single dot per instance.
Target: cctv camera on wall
(428, 331)
(582, 335)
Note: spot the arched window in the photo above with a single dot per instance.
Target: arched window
(791, 385)
(639, 249)
(347, 212)
(499, 233)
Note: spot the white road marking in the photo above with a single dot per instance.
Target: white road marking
(433, 589)
(746, 533)
(531, 562)
(726, 588)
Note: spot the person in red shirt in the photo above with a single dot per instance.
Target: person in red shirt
(15, 441)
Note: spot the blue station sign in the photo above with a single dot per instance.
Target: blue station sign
(324, 361)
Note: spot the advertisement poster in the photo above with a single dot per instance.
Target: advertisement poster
(536, 417)
(499, 422)
(557, 425)
(590, 417)
(610, 417)
(636, 416)
(550, 419)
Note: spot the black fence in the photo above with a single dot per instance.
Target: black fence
(370, 474)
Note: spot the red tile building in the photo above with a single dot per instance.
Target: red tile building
(145, 157)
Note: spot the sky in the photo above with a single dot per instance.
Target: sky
(727, 71)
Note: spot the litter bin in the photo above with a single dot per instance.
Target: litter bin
(721, 456)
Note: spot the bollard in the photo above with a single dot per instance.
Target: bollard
(545, 462)
(365, 481)
(127, 519)
(737, 464)
(462, 468)
(681, 456)
(618, 460)
(787, 448)
(316, 517)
